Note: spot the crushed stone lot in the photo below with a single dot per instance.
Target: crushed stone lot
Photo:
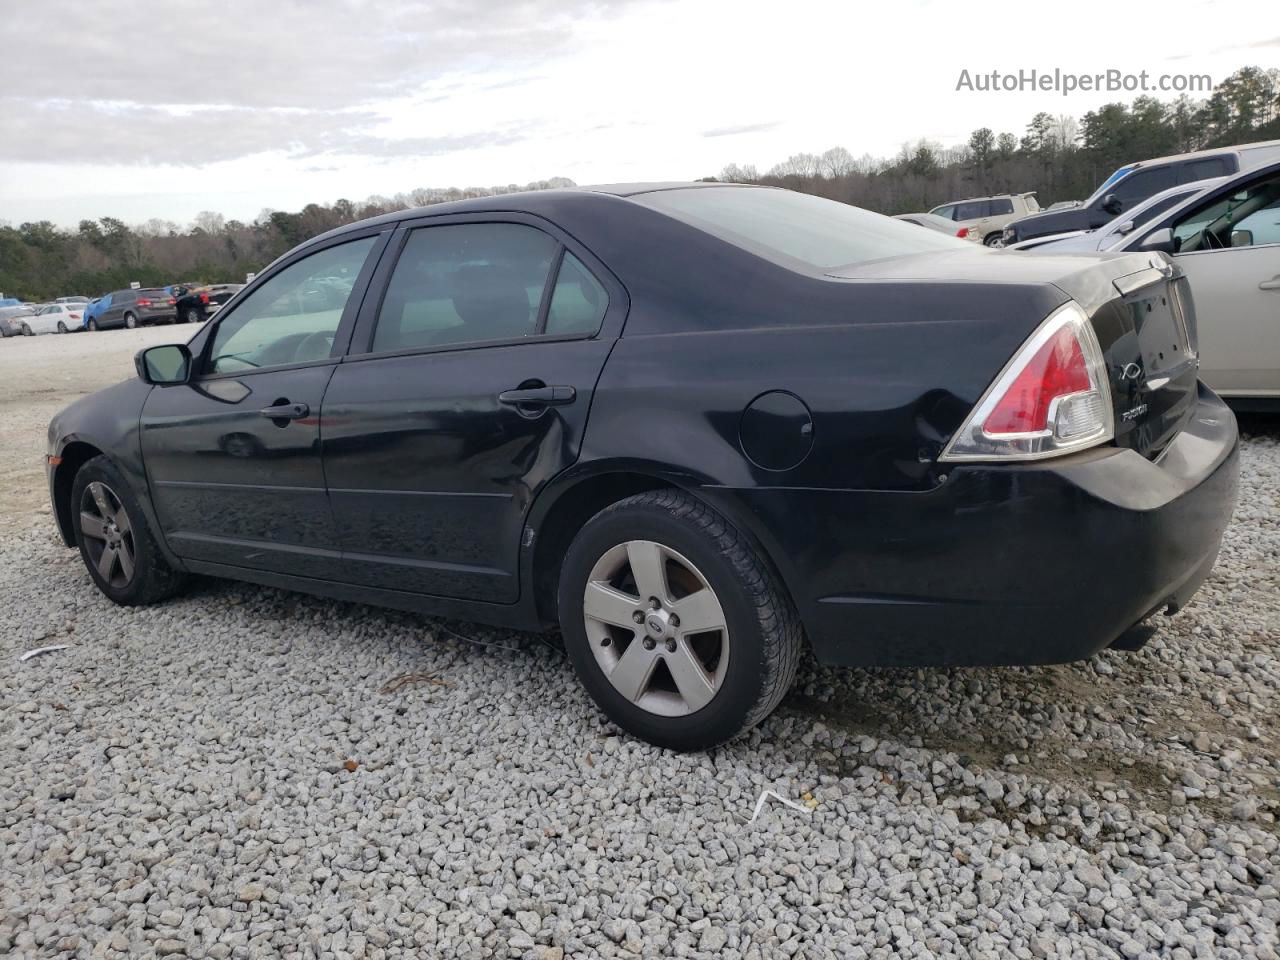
(244, 772)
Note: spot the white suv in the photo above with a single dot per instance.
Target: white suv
(987, 216)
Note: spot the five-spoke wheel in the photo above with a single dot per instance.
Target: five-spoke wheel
(656, 628)
(108, 534)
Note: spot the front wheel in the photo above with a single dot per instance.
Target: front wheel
(116, 544)
(130, 321)
(675, 622)
(26, 331)
(994, 240)
(191, 315)
(93, 326)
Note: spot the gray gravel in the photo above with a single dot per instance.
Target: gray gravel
(250, 773)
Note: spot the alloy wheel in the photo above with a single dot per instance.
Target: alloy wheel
(62, 327)
(108, 534)
(656, 628)
(130, 320)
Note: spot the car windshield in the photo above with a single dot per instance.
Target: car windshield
(1108, 183)
(796, 229)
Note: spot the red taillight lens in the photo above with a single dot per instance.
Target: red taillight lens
(74, 316)
(144, 303)
(1057, 369)
(172, 301)
(1053, 397)
(204, 298)
(962, 232)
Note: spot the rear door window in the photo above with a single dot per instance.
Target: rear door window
(465, 283)
(578, 301)
(1194, 170)
(1142, 184)
(971, 210)
(1000, 207)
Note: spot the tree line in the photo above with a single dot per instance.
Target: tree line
(1058, 157)
(40, 261)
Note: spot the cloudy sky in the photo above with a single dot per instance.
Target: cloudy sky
(164, 108)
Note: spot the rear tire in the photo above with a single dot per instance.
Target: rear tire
(637, 660)
(130, 321)
(26, 331)
(62, 327)
(191, 315)
(993, 240)
(93, 326)
(116, 544)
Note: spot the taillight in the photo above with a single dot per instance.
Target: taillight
(74, 316)
(962, 232)
(204, 298)
(1051, 398)
(144, 303)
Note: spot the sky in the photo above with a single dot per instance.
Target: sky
(165, 108)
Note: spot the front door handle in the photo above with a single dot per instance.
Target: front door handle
(285, 411)
(1272, 284)
(538, 396)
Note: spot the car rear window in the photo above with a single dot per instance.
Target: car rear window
(796, 229)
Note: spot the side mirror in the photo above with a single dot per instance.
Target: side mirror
(1126, 228)
(1160, 241)
(164, 366)
(1242, 238)
(1111, 204)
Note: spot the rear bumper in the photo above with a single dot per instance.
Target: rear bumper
(1019, 564)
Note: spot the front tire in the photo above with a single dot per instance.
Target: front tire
(130, 321)
(191, 315)
(993, 240)
(675, 622)
(93, 326)
(115, 542)
(26, 331)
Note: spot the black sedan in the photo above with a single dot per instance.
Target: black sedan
(697, 426)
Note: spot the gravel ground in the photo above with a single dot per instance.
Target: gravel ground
(245, 772)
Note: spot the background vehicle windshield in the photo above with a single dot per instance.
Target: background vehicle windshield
(1107, 184)
(797, 229)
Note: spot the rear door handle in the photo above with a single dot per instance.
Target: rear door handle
(286, 411)
(538, 396)
(1272, 284)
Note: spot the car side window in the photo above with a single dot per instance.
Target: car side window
(1247, 217)
(974, 210)
(1138, 186)
(947, 211)
(1001, 207)
(293, 317)
(465, 283)
(578, 301)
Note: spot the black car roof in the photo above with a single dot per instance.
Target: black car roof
(522, 200)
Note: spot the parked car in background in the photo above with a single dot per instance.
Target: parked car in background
(71, 300)
(11, 318)
(10, 302)
(941, 224)
(1114, 232)
(93, 309)
(906, 482)
(134, 308)
(1135, 182)
(196, 304)
(987, 216)
(1227, 242)
(52, 318)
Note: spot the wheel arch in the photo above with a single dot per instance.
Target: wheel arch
(74, 456)
(562, 511)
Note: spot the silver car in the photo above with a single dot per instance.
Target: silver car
(1112, 234)
(1227, 240)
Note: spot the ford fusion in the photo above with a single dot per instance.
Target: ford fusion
(700, 427)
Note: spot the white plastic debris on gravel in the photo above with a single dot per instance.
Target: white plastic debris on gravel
(250, 773)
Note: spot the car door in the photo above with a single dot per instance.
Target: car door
(467, 389)
(1229, 246)
(113, 315)
(233, 457)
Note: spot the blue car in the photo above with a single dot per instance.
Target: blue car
(93, 310)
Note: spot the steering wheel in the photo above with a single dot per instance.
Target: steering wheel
(314, 346)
